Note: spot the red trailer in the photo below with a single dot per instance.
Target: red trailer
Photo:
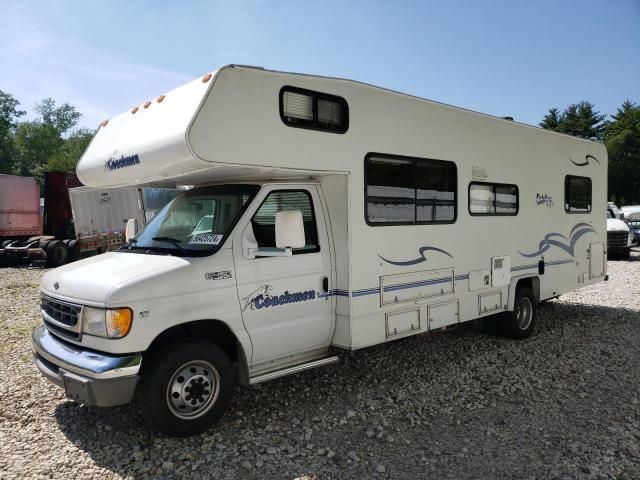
(26, 231)
(20, 214)
(58, 218)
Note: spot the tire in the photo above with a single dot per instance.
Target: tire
(74, 250)
(520, 323)
(167, 385)
(57, 253)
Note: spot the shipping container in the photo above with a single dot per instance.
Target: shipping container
(19, 207)
(32, 231)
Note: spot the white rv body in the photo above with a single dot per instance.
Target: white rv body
(382, 282)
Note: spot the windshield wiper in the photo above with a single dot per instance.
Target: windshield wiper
(174, 241)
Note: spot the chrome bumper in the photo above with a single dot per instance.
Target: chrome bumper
(88, 377)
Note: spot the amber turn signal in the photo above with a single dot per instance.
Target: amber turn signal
(118, 322)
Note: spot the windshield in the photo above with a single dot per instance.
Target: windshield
(195, 222)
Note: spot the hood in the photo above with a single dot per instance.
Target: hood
(615, 224)
(90, 281)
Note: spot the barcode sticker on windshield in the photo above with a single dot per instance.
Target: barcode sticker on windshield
(206, 239)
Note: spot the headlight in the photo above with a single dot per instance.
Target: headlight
(108, 323)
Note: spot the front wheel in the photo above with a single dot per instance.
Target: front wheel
(520, 323)
(186, 387)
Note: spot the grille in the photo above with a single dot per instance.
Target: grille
(53, 328)
(61, 317)
(62, 312)
(617, 239)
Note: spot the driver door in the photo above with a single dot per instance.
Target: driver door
(286, 307)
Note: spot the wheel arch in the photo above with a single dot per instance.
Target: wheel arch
(215, 330)
(530, 281)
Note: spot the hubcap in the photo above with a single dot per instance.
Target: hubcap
(193, 389)
(524, 313)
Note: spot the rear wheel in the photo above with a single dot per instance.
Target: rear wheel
(186, 387)
(520, 322)
(74, 249)
(57, 253)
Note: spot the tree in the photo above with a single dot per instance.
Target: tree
(9, 115)
(622, 138)
(35, 143)
(40, 145)
(66, 157)
(62, 118)
(578, 119)
(551, 120)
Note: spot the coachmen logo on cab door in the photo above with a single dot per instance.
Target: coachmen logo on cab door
(115, 163)
(263, 298)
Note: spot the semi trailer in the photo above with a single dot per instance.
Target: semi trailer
(31, 233)
(100, 215)
(324, 215)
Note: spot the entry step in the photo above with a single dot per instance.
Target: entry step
(301, 367)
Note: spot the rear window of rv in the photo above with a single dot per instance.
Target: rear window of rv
(577, 194)
(313, 110)
(409, 191)
(493, 199)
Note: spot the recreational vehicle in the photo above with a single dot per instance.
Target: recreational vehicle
(323, 215)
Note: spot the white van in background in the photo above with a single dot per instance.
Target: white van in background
(620, 238)
(326, 215)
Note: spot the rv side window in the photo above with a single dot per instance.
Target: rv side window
(264, 220)
(313, 110)
(493, 199)
(435, 191)
(409, 191)
(577, 194)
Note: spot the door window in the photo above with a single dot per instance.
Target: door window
(264, 220)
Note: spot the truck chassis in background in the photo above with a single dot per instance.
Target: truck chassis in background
(31, 232)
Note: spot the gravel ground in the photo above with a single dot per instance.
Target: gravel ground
(562, 404)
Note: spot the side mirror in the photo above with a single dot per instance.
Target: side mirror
(130, 230)
(289, 229)
(289, 234)
(621, 216)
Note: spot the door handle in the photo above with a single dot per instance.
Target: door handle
(325, 284)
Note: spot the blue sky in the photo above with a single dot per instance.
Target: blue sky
(499, 57)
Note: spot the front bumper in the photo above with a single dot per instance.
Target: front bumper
(89, 377)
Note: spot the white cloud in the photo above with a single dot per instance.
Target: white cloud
(35, 64)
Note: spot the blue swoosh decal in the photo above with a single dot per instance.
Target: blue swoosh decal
(420, 259)
(586, 161)
(551, 240)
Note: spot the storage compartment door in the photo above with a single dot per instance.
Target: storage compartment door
(490, 302)
(415, 285)
(597, 260)
(402, 322)
(443, 314)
